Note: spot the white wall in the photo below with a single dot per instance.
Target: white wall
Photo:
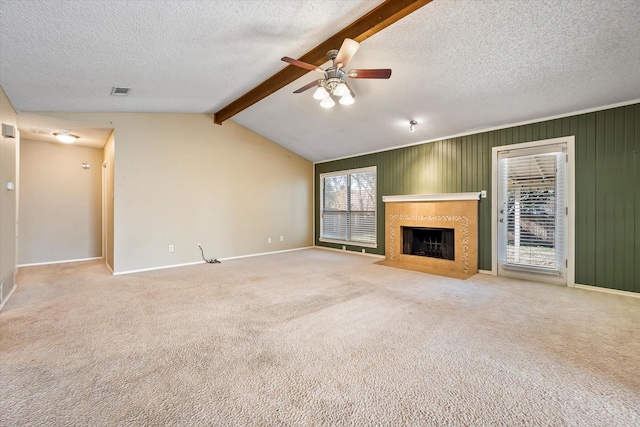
(180, 180)
(60, 202)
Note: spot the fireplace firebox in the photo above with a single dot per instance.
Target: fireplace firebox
(429, 242)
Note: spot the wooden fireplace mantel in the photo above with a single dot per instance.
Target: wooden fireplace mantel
(431, 197)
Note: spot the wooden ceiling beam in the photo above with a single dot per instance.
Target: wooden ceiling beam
(379, 18)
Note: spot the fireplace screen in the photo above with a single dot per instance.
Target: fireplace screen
(428, 242)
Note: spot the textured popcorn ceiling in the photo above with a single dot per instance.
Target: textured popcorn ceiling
(458, 66)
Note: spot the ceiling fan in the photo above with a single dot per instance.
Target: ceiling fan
(334, 82)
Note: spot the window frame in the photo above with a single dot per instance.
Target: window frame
(348, 173)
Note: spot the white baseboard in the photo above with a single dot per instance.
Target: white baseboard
(162, 267)
(58, 262)
(346, 251)
(265, 253)
(489, 272)
(8, 296)
(607, 290)
(202, 262)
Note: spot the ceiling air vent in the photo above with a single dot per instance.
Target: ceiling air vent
(120, 91)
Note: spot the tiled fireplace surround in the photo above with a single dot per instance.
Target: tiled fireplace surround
(452, 210)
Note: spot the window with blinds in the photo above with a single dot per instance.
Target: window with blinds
(348, 207)
(534, 210)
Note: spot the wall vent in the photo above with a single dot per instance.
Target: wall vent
(120, 91)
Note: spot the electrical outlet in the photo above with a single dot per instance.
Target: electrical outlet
(344, 248)
(269, 240)
(170, 248)
(483, 194)
(363, 251)
(282, 238)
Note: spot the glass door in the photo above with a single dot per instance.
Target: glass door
(532, 213)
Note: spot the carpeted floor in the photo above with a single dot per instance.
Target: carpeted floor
(312, 338)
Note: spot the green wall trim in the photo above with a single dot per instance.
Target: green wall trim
(607, 191)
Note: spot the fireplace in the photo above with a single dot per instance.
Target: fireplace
(429, 242)
(432, 233)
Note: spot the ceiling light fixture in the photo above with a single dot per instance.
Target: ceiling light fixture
(412, 124)
(320, 93)
(347, 99)
(328, 102)
(333, 85)
(65, 137)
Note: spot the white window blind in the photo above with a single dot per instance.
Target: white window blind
(348, 207)
(534, 189)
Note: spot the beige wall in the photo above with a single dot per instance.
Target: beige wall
(180, 180)
(8, 198)
(60, 202)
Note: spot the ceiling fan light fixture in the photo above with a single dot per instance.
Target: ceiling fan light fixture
(341, 89)
(347, 99)
(320, 93)
(327, 102)
(65, 137)
(334, 84)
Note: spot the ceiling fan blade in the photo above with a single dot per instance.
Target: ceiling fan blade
(353, 94)
(347, 50)
(302, 64)
(382, 73)
(307, 87)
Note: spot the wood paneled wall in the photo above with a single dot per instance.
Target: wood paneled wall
(607, 186)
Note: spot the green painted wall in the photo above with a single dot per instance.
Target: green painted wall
(607, 186)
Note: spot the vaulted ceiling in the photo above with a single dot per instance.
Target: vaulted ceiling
(459, 66)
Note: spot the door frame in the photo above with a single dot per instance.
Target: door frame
(105, 224)
(570, 250)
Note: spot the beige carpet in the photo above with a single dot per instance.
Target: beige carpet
(312, 338)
